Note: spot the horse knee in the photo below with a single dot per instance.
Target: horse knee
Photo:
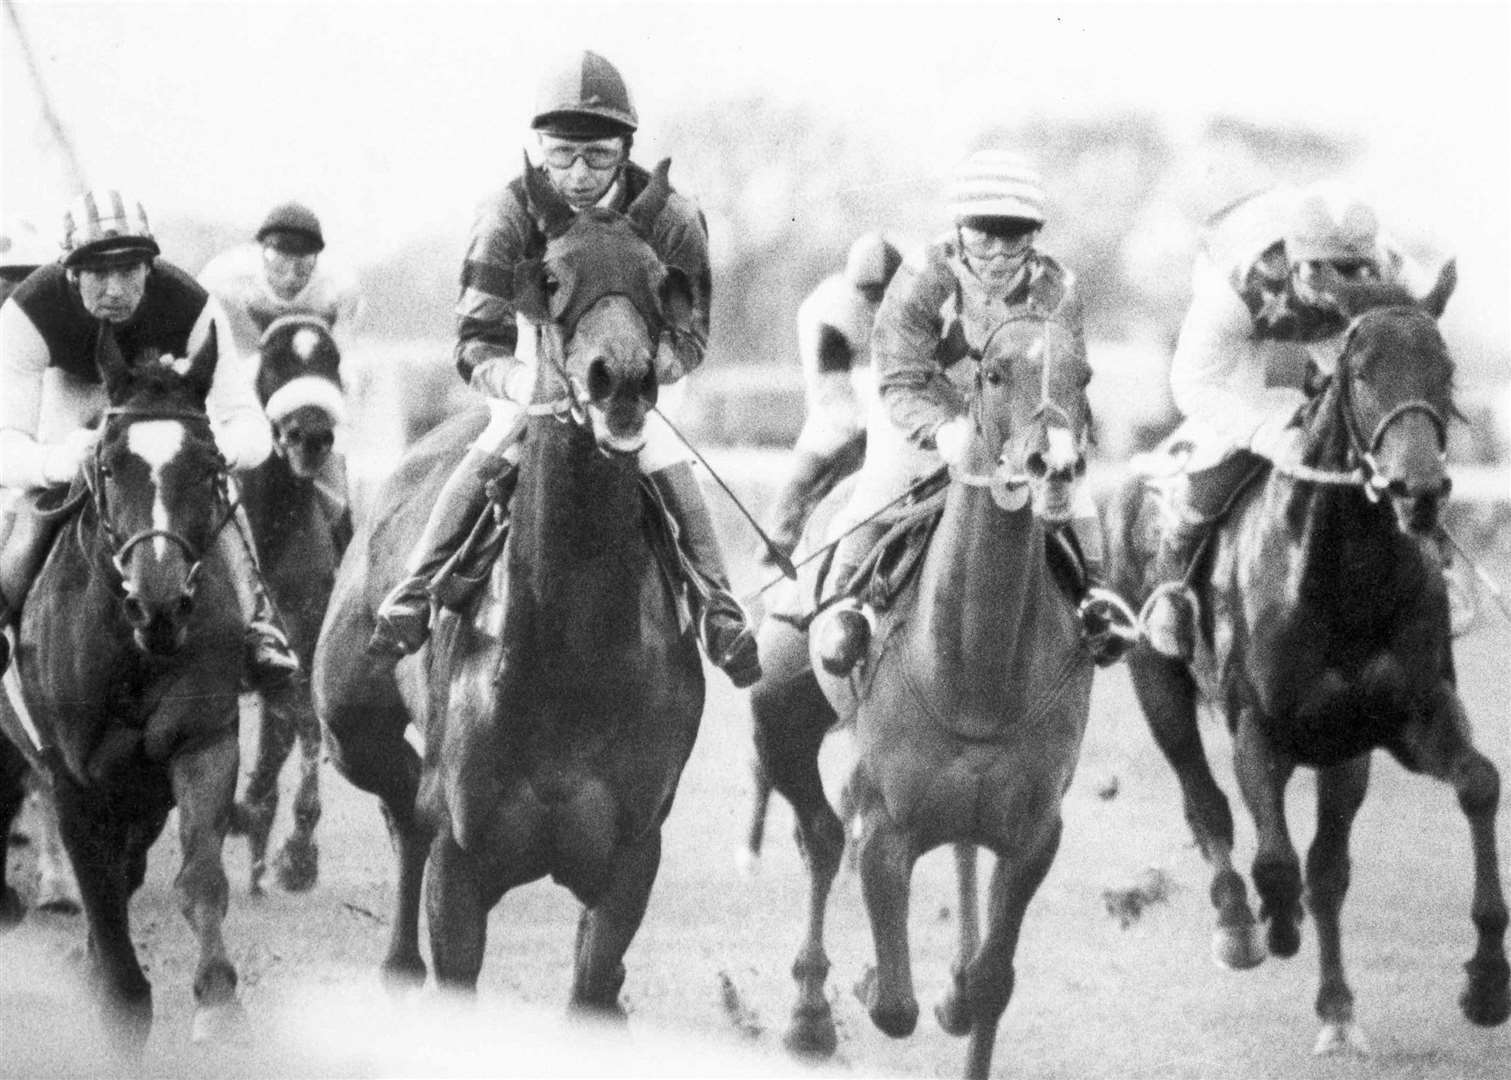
(1479, 787)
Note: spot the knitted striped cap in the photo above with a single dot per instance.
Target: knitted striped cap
(104, 225)
(996, 183)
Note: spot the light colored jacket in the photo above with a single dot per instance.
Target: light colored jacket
(238, 279)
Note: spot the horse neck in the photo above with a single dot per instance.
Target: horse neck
(575, 532)
(983, 585)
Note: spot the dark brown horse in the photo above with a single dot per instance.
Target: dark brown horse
(558, 712)
(130, 657)
(301, 532)
(1324, 637)
(968, 711)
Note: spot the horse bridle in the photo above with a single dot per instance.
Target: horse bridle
(1368, 474)
(119, 549)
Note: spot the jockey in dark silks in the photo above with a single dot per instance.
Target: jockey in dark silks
(981, 274)
(834, 348)
(52, 393)
(1262, 317)
(585, 122)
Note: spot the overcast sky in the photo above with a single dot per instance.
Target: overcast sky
(394, 118)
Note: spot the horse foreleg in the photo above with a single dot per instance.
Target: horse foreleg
(606, 929)
(298, 863)
(952, 1014)
(1263, 774)
(97, 847)
(1167, 697)
(204, 788)
(1340, 793)
(258, 806)
(12, 796)
(458, 916)
(57, 890)
(1443, 748)
(748, 858)
(886, 856)
(990, 978)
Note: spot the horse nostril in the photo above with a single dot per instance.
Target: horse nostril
(1036, 465)
(136, 611)
(600, 380)
(185, 606)
(1445, 487)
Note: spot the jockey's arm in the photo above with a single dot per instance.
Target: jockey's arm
(241, 429)
(26, 463)
(487, 323)
(914, 391)
(223, 279)
(1218, 372)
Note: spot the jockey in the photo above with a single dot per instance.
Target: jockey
(283, 272)
(834, 348)
(1263, 314)
(48, 327)
(982, 272)
(585, 122)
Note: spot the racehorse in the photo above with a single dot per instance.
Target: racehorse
(1324, 636)
(558, 712)
(300, 532)
(968, 710)
(129, 656)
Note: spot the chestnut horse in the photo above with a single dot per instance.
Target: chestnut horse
(968, 710)
(1325, 636)
(130, 657)
(558, 712)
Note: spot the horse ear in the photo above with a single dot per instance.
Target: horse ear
(550, 210)
(1437, 299)
(111, 362)
(677, 299)
(531, 297)
(647, 207)
(201, 373)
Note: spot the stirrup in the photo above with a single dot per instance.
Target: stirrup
(1167, 621)
(271, 661)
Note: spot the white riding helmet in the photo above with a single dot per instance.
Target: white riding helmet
(996, 183)
(872, 261)
(106, 225)
(1331, 224)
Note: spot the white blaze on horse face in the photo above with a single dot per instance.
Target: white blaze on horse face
(157, 442)
(304, 344)
(1061, 451)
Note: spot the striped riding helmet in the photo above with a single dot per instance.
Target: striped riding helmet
(1331, 224)
(996, 183)
(584, 97)
(872, 261)
(104, 226)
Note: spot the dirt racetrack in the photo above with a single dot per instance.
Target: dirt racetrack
(708, 989)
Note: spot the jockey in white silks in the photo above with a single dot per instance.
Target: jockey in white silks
(939, 308)
(1262, 315)
(834, 349)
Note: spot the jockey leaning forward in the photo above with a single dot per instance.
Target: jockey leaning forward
(585, 123)
(983, 272)
(834, 348)
(284, 272)
(1263, 315)
(110, 271)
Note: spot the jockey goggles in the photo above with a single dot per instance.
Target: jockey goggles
(984, 246)
(596, 157)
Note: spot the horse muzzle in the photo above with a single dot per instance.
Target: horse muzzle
(158, 628)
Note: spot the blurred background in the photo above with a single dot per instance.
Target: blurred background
(796, 126)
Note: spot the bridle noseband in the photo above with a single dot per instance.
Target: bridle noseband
(119, 549)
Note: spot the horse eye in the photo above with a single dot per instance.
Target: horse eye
(994, 376)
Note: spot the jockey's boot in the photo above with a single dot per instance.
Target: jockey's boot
(1108, 627)
(1168, 618)
(26, 536)
(403, 618)
(842, 632)
(811, 477)
(270, 659)
(723, 627)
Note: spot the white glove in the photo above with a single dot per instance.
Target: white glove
(953, 440)
(1281, 445)
(63, 459)
(503, 377)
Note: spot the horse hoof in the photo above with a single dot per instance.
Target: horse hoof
(952, 1017)
(1485, 1001)
(403, 976)
(1284, 938)
(218, 1023)
(12, 910)
(1237, 948)
(1339, 1038)
(896, 1021)
(60, 905)
(298, 866)
(747, 864)
(812, 1034)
